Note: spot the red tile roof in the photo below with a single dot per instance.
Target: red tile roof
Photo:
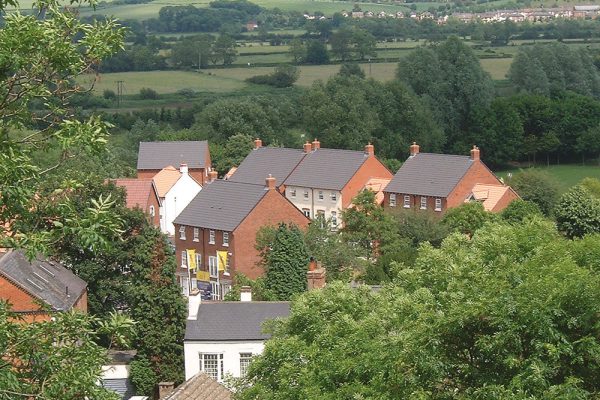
(138, 192)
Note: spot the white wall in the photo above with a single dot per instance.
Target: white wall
(230, 350)
(176, 199)
(313, 203)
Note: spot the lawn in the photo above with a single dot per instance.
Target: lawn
(497, 67)
(567, 175)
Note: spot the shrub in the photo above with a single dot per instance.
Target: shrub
(148, 94)
(285, 75)
(537, 186)
(109, 95)
(520, 209)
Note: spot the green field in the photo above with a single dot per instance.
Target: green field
(567, 175)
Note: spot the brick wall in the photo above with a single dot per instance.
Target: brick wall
(371, 168)
(506, 199)
(153, 201)
(478, 173)
(415, 203)
(201, 246)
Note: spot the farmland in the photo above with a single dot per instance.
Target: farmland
(566, 175)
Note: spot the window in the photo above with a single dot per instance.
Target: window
(392, 199)
(152, 211)
(438, 204)
(212, 266)
(333, 196)
(198, 262)
(211, 237)
(225, 288)
(216, 291)
(321, 217)
(306, 194)
(245, 359)
(306, 212)
(293, 192)
(225, 238)
(212, 365)
(320, 195)
(334, 221)
(407, 201)
(184, 259)
(196, 234)
(423, 203)
(182, 232)
(185, 289)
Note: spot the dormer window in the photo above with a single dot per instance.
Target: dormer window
(182, 232)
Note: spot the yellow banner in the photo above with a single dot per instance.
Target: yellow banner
(191, 254)
(203, 276)
(222, 256)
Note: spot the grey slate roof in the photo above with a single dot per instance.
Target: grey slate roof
(429, 174)
(327, 169)
(158, 155)
(235, 320)
(47, 280)
(277, 161)
(221, 205)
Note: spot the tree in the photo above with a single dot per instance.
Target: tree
(467, 218)
(316, 53)
(518, 210)
(232, 153)
(365, 44)
(193, 51)
(286, 263)
(537, 186)
(578, 212)
(285, 75)
(592, 185)
(475, 318)
(341, 44)
(589, 142)
(351, 69)
(297, 51)
(223, 50)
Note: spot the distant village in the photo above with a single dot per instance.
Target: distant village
(521, 15)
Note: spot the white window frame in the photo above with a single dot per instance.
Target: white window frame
(182, 232)
(406, 201)
(198, 261)
(423, 205)
(293, 192)
(245, 360)
(321, 195)
(334, 196)
(438, 204)
(184, 260)
(185, 289)
(196, 234)
(392, 199)
(215, 290)
(216, 358)
(152, 211)
(306, 212)
(306, 194)
(211, 237)
(226, 239)
(213, 267)
(334, 221)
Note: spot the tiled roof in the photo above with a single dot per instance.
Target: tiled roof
(377, 185)
(277, 161)
(165, 179)
(326, 169)
(137, 192)
(429, 174)
(235, 320)
(200, 387)
(46, 280)
(158, 155)
(221, 205)
(489, 195)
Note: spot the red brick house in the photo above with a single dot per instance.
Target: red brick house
(28, 286)
(154, 156)
(143, 194)
(436, 182)
(225, 217)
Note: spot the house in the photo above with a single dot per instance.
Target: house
(176, 189)
(115, 375)
(494, 198)
(318, 181)
(199, 387)
(154, 156)
(37, 289)
(222, 337)
(216, 232)
(141, 193)
(437, 182)
(251, 25)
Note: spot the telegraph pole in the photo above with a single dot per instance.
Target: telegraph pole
(119, 93)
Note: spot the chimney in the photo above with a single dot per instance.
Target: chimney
(307, 147)
(316, 144)
(312, 264)
(212, 176)
(257, 143)
(414, 149)
(370, 149)
(475, 153)
(316, 278)
(245, 293)
(165, 388)
(193, 304)
(270, 182)
(183, 168)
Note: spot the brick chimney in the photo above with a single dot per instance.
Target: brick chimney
(270, 182)
(307, 147)
(257, 143)
(369, 149)
(245, 293)
(316, 144)
(414, 149)
(183, 168)
(475, 154)
(212, 176)
(165, 389)
(315, 279)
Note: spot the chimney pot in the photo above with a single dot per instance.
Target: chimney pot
(165, 388)
(257, 143)
(212, 176)
(183, 168)
(414, 149)
(475, 153)
(307, 147)
(316, 144)
(245, 293)
(270, 182)
(369, 149)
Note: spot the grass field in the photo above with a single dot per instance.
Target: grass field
(567, 175)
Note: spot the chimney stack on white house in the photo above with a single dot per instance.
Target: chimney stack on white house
(193, 304)
(183, 168)
(245, 293)
(414, 149)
